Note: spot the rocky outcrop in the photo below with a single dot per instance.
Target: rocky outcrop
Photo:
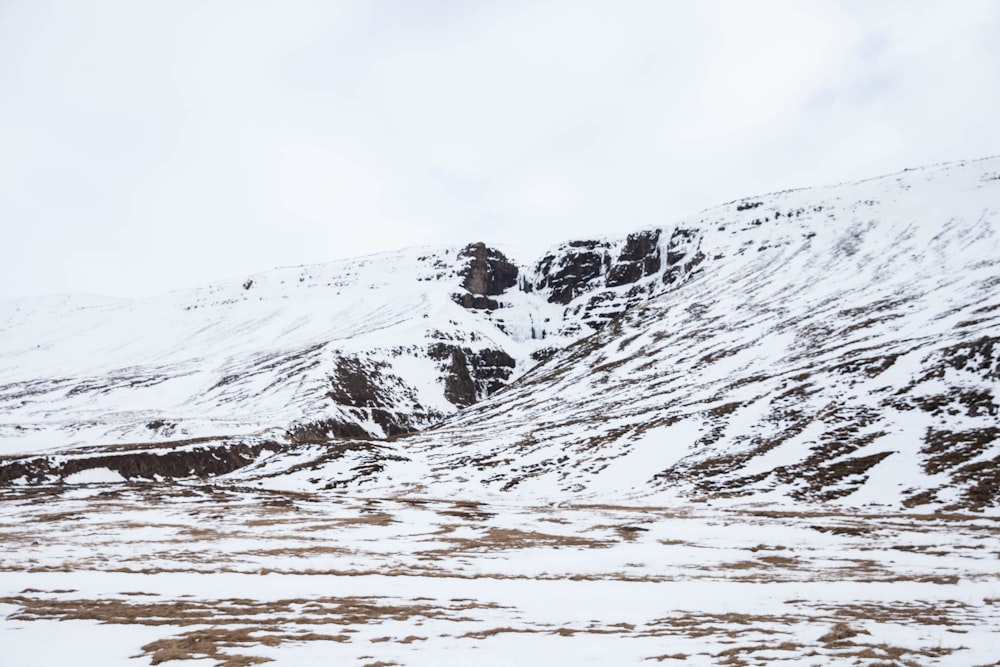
(485, 272)
(683, 255)
(324, 430)
(177, 460)
(587, 275)
(578, 269)
(470, 376)
(368, 392)
(360, 384)
(373, 402)
(639, 258)
(587, 267)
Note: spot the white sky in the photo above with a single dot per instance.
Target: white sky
(149, 146)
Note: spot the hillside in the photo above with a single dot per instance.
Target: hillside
(762, 435)
(829, 344)
(835, 344)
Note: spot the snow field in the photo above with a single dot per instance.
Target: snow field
(129, 575)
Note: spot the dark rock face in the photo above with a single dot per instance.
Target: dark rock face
(475, 301)
(604, 307)
(217, 458)
(639, 258)
(583, 273)
(358, 385)
(324, 430)
(683, 255)
(487, 271)
(575, 272)
(367, 390)
(471, 376)
(980, 357)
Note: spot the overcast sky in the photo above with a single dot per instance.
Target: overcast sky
(149, 146)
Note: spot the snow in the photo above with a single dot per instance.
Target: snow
(735, 465)
(425, 581)
(94, 476)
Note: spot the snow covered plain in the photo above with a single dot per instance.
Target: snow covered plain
(109, 575)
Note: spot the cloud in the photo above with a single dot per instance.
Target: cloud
(151, 146)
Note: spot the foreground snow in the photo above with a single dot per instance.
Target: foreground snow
(203, 575)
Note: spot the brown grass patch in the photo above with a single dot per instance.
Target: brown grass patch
(316, 611)
(503, 539)
(58, 516)
(629, 533)
(211, 642)
(839, 633)
(371, 519)
(779, 561)
(492, 632)
(740, 565)
(236, 625)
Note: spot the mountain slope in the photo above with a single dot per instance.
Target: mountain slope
(339, 349)
(365, 348)
(831, 344)
(841, 343)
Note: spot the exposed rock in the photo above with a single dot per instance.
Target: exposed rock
(471, 376)
(603, 307)
(639, 258)
(182, 462)
(574, 272)
(544, 353)
(487, 271)
(475, 301)
(324, 430)
(371, 394)
(359, 385)
(981, 357)
(683, 255)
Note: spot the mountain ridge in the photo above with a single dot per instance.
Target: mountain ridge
(808, 324)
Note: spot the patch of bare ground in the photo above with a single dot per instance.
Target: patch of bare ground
(219, 643)
(309, 611)
(627, 532)
(364, 519)
(840, 632)
(731, 625)
(468, 510)
(505, 539)
(300, 523)
(228, 628)
(300, 552)
(749, 635)
(951, 613)
(779, 561)
(740, 565)
(493, 632)
(55, 517)
(887, 655)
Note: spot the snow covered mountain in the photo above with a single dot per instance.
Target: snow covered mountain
(366, 348)
(830, 344)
